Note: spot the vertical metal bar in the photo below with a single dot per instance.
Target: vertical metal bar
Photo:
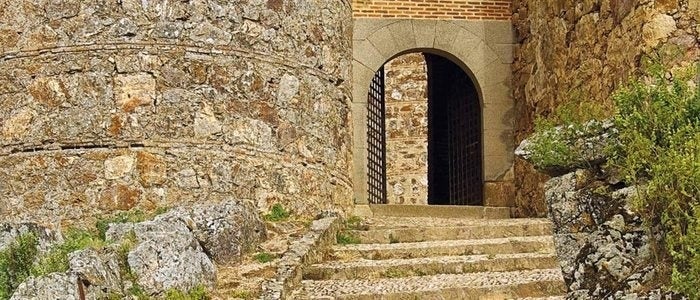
(376, 140)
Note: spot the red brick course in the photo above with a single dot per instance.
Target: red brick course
(433, 9)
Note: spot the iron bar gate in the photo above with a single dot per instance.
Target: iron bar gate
(376, 140)
(454, 135)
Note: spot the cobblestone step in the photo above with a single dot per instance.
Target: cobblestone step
(486, 285)
(394, 268)
(420, 222)
(485, 230)
(440, 211)
(444, 248)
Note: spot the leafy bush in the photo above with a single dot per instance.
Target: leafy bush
(277, 213)
(264, 257)
(552, 142)
(354, 223)
(16, 263)
(197, 293)
(346, 238)
(659, 124)
(56, 259)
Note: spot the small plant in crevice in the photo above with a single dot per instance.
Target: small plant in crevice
(16, 263)
(347, 238)
(197, 293)
(277, 213)
(264, 257)
(393, 239)
(354, 223)
(132, 216)
(56, 259)
(396, 273)
(240, 294)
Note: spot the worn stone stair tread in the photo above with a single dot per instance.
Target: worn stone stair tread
(444, 248)
(440, 211)
(423, 222)
(518, 284)
(485, 230)
(364, 268)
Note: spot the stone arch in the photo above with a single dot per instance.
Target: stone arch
(484, 51)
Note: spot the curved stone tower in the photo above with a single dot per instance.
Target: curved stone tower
(110, 105)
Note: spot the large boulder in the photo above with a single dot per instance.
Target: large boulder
(10, 231)
(225, 230)
(98, 270)
(56, 286)
(602, 246)
(166, 256)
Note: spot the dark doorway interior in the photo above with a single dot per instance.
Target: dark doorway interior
(454, 136)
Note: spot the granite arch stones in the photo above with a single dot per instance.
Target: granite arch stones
(484, 49)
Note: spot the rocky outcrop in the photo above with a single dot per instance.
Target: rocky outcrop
(59, 286)
(225, 231)
(45, 236)
(166, 256)
(581, 51)
(176, 250)
(604, 250)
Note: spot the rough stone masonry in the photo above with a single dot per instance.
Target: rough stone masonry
(114, 105)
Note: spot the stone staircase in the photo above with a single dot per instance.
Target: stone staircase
(419, 252)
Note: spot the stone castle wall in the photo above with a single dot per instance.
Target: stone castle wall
(569, 50)
(407, 129)
(114, 105)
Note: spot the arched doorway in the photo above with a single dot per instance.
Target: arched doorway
(452, 145)
(482, 49)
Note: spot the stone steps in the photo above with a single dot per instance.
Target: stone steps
(369, 269)
(440, 211)
(439, 258)
(444, 248)
(485, 230)
(484, 285)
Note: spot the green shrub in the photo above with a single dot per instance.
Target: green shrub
(277, 213)
(197, 293)
(659, 124)
(552, 142)
(16, 263)
(346, 238)
(132, 216)
(549, 147)
(354, 223)
(56, 259)
(264, 257)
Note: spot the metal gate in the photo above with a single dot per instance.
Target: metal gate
(454, 135)
(464, 132)
(376, 140)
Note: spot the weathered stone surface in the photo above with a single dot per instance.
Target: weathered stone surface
(99, 272)
(407, 129)
(602, 246)
(200, 95)
(574, 50)
(225, 230)
(9, 233)
(166, 255)
(57, 286)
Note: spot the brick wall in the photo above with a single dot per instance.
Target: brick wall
(433, 9)
(407, 129)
